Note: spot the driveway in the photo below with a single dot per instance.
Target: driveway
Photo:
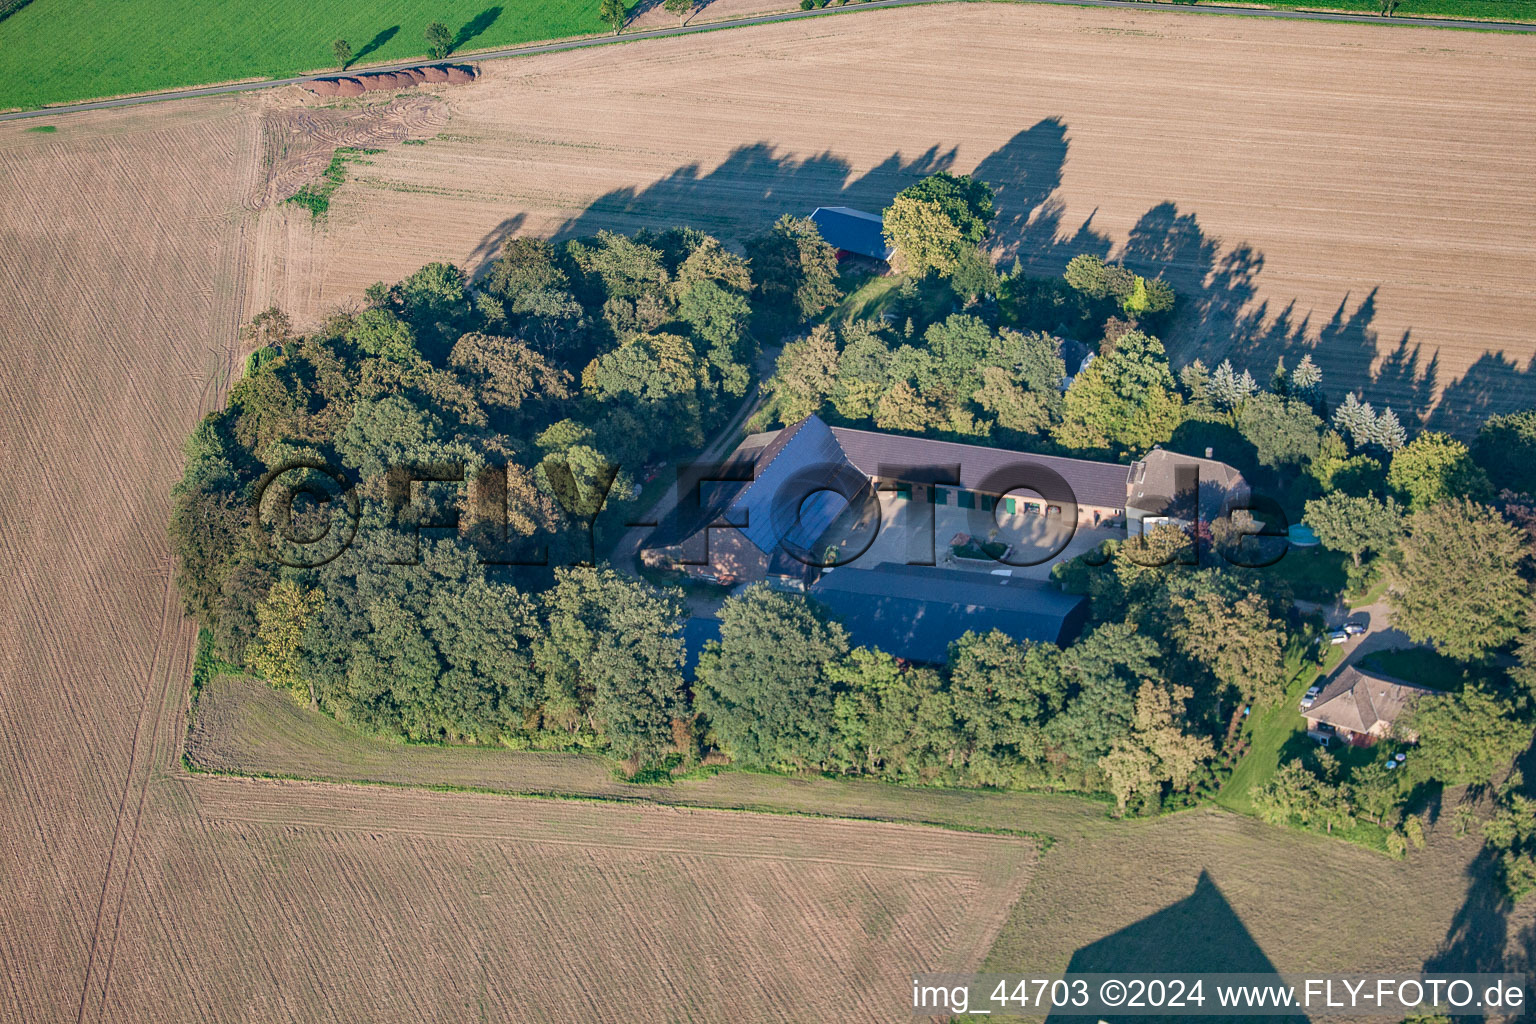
(1379, 633)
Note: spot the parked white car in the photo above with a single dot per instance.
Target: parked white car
(1338, 636)
(1311, 697)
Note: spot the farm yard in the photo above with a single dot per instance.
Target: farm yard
(1384, 235)
(132, 244)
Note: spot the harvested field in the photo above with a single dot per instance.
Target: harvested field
(1255, 887)
(298, 140)
(120, 268)
(446, 907)
(1296, 205)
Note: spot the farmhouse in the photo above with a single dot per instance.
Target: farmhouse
(1361, 707)
(852, 232)
(1165, 486)
(913, 540)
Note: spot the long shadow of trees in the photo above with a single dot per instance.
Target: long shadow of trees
(1220, 314)
(476, 26)
(374, 43)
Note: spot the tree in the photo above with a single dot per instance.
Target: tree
(933, 224)
(719, 316)
(612, 656)
(343, 51)
(1284, 431)
(862, 370)
(388, 432)
(795, 268)
(1506, 450)
(507, 372)
(1102, 672)
(276, 655)
(1387, 433)
(1377, 791)
(1355, 420)
(1229, 388)
(1455, 580)
(1512, 832)
(806, 375)
(1157, 751)
(381, 334)
(1126, 398)
(1434, 468)
(1353, 525)
(888, 721)
(681, 8)
(648, 367)
(764, 686)
(1235, 639)
(439, 40)
(614, 13)
(1003, 693)
(1295, 795)
(1465, 737)
(1306, 381)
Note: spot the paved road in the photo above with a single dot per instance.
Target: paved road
(765, 19)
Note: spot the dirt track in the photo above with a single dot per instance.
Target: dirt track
(1353, 188)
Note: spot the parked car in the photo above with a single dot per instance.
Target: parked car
(1311, 697)
(1354, 628)
(1338, 636)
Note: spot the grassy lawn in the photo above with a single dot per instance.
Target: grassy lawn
(1424, 666)
(868, 296)
(1278, 731)
(1315, 574)
(53, 51)
(1482, 10)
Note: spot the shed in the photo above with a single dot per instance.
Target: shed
(916, 611)
(853, 231)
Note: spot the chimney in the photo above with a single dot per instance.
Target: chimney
(1210, 453)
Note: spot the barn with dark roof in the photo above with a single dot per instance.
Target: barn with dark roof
(851, 231)
(916, 611)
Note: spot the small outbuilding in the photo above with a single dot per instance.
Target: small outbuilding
(853, 232)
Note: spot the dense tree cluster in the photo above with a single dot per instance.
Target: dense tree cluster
(515, 411)
(962, 378)
(478, 430)
(781, 689)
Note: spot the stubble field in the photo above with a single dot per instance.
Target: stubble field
(131, 244)
(1357, 192)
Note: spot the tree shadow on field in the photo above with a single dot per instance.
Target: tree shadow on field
(1476, 938)
(480, 257)
(1200, 933)
(1219, 314)
(476, 26)
(374, 44)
